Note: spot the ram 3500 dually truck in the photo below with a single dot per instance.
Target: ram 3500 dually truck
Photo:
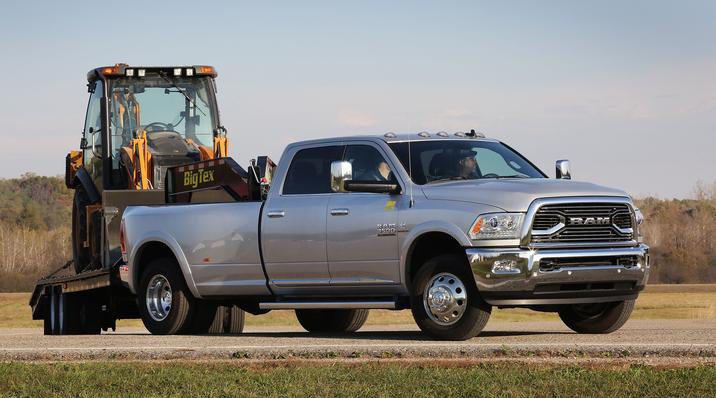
(448, 225)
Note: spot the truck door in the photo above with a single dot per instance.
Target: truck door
(293, 223)
(362, 227)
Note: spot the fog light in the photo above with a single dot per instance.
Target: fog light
(505, 267)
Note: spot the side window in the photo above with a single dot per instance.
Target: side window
(368, 164)
(93, 123)
(310, 170)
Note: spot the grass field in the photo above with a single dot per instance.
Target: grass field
(657, 302)
(273, 379)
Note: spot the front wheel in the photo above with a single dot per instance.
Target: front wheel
(444, 299)
(164, 301)
(597, 318)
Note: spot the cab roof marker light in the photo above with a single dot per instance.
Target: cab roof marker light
(204, 70)
(459, 134)
(442, 134)
(140, 72)
(424, 134)
(129, 72)
(177, 71)
(189, 72)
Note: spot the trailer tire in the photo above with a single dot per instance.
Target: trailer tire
(332, 321)
(80, 254)
(598, 318)
(457, 311)
(167, 287)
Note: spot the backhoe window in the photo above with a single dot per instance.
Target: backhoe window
(161, 103)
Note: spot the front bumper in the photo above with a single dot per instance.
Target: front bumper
(523, 277)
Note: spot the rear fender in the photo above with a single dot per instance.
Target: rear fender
(173, 245)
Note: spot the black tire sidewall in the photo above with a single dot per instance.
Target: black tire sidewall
(611, 319)
(332, 321)
(178, 320)
(80, 255)
(476, 313)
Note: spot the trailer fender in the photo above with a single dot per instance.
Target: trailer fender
(167, 240)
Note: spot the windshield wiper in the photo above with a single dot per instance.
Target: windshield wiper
(182, 93)
(453, 178)
(512, 176)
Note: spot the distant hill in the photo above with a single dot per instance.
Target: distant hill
(35, 222)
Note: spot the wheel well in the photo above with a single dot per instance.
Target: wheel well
(427, 246)
(147, 253)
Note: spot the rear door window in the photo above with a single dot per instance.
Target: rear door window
(310, 170)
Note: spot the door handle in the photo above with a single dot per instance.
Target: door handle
(276, 213)
(339, 212)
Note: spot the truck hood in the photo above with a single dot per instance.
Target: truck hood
(514, 194)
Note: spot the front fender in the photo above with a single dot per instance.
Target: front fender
(173, 245)
(429, 227)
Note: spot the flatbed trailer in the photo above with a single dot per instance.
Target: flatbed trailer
(85, 303)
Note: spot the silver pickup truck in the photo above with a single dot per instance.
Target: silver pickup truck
(447, 225)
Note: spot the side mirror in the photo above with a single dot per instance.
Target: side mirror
(373, 187)
(341, 171)
(562, 169)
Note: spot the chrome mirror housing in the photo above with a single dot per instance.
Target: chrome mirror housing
(563, 171)
(341, 171)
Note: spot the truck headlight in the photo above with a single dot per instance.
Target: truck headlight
(497, 226)
(639, 218)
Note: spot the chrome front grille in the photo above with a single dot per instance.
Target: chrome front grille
(582, 223)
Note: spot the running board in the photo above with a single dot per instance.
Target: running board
(303, 305)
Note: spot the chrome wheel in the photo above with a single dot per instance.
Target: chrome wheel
(445, 299)
(159, 297)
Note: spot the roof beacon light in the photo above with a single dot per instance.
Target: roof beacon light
(204, 70)
(129, 72)
(112, 70)
(177, 71)
(189, 72)
(140, 72)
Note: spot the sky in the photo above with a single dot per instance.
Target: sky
(625, 90)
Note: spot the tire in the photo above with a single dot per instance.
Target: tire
(228, 320)
(177, 316)
(464, 312)
(332, 321)
(599, 318)
(80, 254)
(201, 318)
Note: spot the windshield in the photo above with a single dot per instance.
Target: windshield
(184, 105)
(443, 160)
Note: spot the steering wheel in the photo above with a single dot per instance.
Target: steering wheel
(158, 126)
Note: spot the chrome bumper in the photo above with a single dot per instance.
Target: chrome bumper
(514, 277)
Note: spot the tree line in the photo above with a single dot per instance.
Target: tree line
(35, 223)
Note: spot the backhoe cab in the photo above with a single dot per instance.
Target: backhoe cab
(139, 122)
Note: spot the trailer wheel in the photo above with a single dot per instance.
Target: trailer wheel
(332, 321)
(164, 301)
(597, 318)
(80, 254)
(445, 301)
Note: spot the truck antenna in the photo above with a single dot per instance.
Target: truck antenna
(410, 173)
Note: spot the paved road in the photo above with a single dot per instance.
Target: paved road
(639, 338)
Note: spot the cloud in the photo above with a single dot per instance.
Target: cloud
(354, 118)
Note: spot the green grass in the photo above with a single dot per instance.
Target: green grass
(657, 302)
(143, 379)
